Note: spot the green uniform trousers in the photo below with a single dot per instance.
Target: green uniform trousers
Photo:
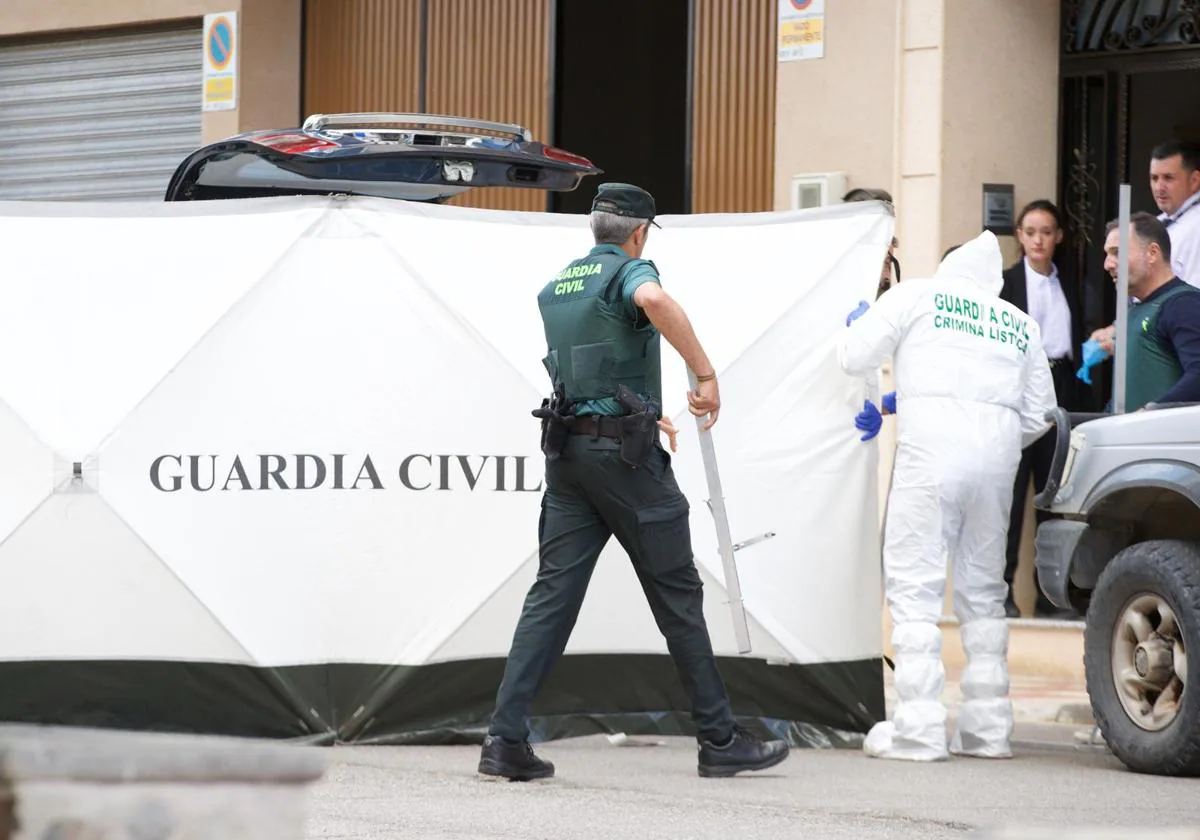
(590, 496)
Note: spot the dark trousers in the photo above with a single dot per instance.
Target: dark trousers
(1035, 461)
(590, 496)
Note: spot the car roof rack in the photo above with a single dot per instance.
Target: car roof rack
(433, 121)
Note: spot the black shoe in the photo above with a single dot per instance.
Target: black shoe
(745, 751)
(515, 762)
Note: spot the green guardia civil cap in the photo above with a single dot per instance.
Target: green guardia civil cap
(625, 200)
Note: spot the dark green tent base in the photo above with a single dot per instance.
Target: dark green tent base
(823, 705)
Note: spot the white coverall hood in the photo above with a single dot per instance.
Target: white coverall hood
(978, 262)
(973, 386)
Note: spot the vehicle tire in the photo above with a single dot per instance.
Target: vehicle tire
(1134, 599)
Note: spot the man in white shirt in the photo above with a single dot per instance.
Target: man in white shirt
(1175, 182)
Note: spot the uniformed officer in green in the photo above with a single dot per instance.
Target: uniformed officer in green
(1163, 324)
(607, 474)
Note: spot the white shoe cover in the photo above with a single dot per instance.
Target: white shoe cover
(917, 731)
(984, 738)
(881, 743)
(985, 720)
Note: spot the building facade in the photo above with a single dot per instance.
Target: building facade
(929, 99)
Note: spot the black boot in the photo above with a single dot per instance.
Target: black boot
(1010, 607)
(745, 751)
(515, 762)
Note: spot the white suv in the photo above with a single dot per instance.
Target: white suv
(1125, 548)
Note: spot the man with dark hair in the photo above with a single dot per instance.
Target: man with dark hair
(1175, 182)
(868, 194)
(1163, 333)
(891, 266)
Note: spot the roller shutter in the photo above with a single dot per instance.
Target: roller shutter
(98, 117)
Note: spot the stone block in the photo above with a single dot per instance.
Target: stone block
(1089, 832)
(65, 783)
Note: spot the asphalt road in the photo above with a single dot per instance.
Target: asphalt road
(642, 792)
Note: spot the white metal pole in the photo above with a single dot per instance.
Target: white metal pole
(1120, 354)
(716, 504)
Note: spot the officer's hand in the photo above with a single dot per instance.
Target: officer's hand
(667, 426)
(705, 399)
(1104, 337)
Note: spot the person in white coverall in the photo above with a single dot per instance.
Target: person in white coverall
(972, 390)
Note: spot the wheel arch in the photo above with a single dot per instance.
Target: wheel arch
(1137, 502)
(1176, 477)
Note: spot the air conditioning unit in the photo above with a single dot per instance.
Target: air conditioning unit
(816, 189)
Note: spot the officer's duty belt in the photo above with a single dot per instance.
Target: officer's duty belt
(596, 425)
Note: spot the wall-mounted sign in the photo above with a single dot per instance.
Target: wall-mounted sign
(801, 29)
(999, 209)
(220, 61)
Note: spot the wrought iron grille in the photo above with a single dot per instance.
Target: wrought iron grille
(1106, 26)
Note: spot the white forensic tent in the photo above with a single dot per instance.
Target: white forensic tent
(270, 470)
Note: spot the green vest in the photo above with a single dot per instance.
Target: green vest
(1152, 367)
(593, 344)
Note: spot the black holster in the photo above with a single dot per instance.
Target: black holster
(553, 413)
(638, 433)
(639, 430)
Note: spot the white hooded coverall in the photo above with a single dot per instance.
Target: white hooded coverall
(972, 389)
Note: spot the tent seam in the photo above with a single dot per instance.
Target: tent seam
(104, 440)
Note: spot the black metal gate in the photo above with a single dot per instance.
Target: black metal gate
(1105, 43)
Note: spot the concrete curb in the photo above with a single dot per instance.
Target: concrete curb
(1078, 714)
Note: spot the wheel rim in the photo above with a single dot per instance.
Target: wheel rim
(1149, 662)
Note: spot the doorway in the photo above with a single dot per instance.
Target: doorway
(621, 97)
(1163, 106)
(1115, 110)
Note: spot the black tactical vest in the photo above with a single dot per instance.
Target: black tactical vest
(593, 344)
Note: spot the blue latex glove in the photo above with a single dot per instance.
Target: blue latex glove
(862, 307)
(869, 420)
(1093, 354)
(889, 402)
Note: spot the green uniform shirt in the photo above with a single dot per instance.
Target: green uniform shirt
(635, 275)
(1153, 366)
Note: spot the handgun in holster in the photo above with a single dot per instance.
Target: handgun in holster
(639, 429)
(554, 412)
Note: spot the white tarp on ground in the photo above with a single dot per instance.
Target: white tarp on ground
(390, 354)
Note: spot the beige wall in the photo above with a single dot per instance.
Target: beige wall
(1000, 117)
(929, 99)
(836, 113)
(918, 136)
(977, 85)
(269, 68)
